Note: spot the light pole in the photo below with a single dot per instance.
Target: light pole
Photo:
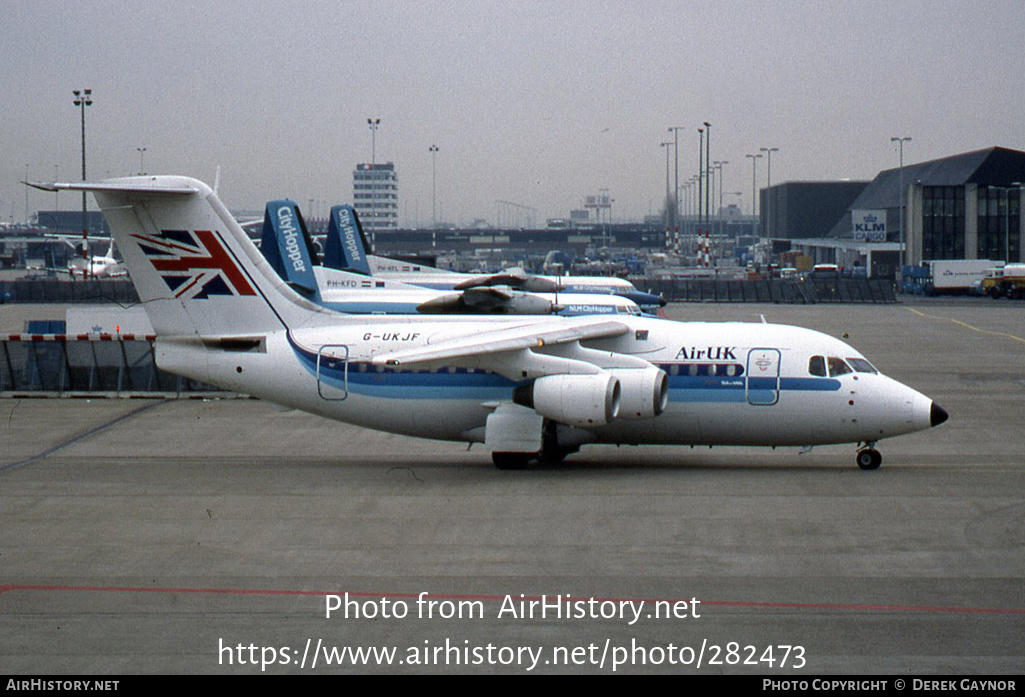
(675, 130)
(769, 227)
(900, 142)
(83, 98)
(708, 163)
(710, 193)
(701, 172)
(604, 202)
(719, 164)
(695, 183)
(374, 125)
(142, 167)
(434, 186)
(668, 215)
(754, 184)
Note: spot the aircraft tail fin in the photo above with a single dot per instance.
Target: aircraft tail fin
(196, 271)
(288, 248)
(346, 244)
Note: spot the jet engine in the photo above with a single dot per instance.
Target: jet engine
(576, 400)
(644, 392)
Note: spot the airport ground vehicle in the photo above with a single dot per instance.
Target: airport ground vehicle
(945, 276)
(1006, 281)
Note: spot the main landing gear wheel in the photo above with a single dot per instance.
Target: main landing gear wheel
(555, 455)
(512, 461)
(869, 459)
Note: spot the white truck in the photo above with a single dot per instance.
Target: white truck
(957, 275)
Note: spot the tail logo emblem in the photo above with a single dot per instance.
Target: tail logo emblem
(194, 264)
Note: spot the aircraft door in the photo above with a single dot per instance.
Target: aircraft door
(333, 372)
(763, 377)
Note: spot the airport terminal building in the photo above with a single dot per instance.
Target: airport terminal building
(965, 206)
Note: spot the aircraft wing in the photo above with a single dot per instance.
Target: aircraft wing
(518, 280)
(49, 269)
(492, 349)
(76, 236)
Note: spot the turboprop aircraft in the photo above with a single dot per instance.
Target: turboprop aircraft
(287, 245)
(526, 387)
(346, 248)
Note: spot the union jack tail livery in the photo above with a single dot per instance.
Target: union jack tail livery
(194, 264)
(196, 271)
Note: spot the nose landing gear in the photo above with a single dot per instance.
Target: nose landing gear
(869, 458)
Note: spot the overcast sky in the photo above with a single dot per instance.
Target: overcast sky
(540, 103)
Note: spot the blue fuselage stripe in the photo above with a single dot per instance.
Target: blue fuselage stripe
(461, 383)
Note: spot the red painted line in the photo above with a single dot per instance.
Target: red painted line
(498, 598)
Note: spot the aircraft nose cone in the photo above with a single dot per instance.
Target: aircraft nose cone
(937, 414)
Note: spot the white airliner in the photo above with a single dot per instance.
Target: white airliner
(287, 246)
(85, 264)
(526, 387)
(346, 236)
(430, 277)
(354, 294)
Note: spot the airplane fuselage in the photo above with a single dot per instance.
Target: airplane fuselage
(527, 387)
(95, 267)
(729, 383)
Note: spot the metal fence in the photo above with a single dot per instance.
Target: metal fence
(48, 290)
(809, 291)
(55, 363)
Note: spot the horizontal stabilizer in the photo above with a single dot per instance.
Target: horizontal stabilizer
(138, 185)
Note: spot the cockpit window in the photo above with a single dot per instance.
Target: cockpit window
(838, 367)
(862, 366)
(817, 366)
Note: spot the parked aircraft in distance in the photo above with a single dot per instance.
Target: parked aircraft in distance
(526, 387)
(347, 249)
(85, 264)
(287, 245)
